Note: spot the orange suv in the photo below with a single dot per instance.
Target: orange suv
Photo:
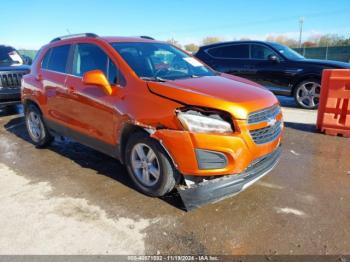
(172, 120)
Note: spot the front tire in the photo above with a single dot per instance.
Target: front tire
(149, 166)
(307, 94)
(38, 132)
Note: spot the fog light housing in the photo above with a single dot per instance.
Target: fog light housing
(210, 159)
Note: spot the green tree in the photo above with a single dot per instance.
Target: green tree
(174, 42)
(191, 48)
(283, 40)
(345, 41)
(210, 40)
(329, 40)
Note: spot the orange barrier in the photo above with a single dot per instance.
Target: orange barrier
(333, 116)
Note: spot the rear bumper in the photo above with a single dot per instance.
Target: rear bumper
(220, 188)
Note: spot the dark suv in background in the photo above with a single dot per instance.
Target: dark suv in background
(275, 66)
(12, 69)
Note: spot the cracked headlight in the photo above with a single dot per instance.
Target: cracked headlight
(197, 122)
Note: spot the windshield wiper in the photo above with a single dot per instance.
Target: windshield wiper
(156, 79)
(191, 76)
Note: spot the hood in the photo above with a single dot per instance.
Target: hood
(327, 63)
(218, 92)
(14, 67)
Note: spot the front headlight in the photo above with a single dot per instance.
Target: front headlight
(196, 122)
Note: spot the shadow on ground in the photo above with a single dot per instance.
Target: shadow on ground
(88, 158)
(302, 127)
(103, 164)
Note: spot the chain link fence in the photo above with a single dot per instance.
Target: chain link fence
(338, 53)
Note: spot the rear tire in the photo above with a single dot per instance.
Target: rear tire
(307, 94)
(149, 166)
(37, 130)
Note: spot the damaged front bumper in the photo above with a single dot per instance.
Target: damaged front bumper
(214, 190)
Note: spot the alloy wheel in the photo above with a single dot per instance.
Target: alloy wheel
(145, 164)
(308, 94)
(35, 126)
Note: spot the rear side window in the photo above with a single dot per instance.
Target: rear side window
(230, 51)
(89, 57)
(56, 59)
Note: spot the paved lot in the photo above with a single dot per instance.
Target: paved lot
(69, 199)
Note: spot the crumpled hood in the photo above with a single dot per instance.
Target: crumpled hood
(228, 93)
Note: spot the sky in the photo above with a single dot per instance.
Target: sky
(31, 24)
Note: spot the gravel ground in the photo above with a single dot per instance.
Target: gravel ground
(69, 199)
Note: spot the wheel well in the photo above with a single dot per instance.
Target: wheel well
(28, 102)
(305, 78)
(127, 132)
(131, 129)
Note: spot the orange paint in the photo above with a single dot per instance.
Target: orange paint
(91, 106)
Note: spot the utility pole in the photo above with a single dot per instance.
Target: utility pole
(301, 22)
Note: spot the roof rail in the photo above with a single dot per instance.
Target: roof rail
(147, 37)
(73, 36)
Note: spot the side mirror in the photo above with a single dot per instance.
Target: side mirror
(274, 58)
(98, 78)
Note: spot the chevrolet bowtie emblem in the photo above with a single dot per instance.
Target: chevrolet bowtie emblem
(271, 121)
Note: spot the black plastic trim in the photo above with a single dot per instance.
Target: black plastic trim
(147, 37)
(108, 149)
(73, 36)
(208, 159)
(220, 188)
(9, 103)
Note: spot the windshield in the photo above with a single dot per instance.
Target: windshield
(287, 52)
(8, 55)
(160, 61)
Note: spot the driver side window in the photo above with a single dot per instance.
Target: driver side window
(261, 52)
(89, 57)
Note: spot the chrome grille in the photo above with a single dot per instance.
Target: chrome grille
(11, 79)
(264, 115)
(266, 134)
(270, 132)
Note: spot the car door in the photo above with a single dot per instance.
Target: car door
(94, 115)
(271, 70)
(231, 59)
(53, 77)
